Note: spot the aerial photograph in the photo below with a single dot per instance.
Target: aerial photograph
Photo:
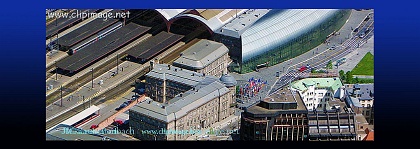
(209, 74)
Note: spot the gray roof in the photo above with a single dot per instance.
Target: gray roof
(355, 102)
(364, 92)
(201, 54)
(179, 106)
(175, 74)
(240, 24)
(228, 80)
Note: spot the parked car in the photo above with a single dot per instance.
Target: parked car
(123, 105)
(94, 126)
(239, 101)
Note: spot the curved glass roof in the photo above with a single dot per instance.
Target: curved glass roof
(278, 27)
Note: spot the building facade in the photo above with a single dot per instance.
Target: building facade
(206, 57)
(260, 36)
(317, 92)
(175, 80)
(183, 116)
(332, 125)
(361, 97)
(280, 117)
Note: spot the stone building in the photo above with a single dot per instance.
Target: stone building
(176, 80)
(205, 57)
(186, 114)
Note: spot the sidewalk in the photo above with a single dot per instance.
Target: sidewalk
(353, 58)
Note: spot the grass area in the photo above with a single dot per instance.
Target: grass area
(365, 66)
(364, 81)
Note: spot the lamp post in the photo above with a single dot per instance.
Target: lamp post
(61, 92)
(92, 76)
(56, 72)
(117, 61)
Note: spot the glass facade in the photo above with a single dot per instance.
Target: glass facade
(283, 34)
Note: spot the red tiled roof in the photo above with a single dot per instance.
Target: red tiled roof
(369, 136)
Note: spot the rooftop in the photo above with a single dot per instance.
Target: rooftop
(370, 135)
(170, 13)
(228, 80)
(366, 91)
(361, 119)
(201, 54)
(281, 96)
(237, 26)
(181, 105)
(175, 74)
(101, 48)
(85, 31)
(303, 84)
(213, 18)
(335, 103)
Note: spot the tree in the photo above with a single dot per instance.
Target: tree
(237, 90)
(349, 77)
(342, 76)
(356, 80)
(329, 65)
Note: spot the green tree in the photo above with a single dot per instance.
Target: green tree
(342, 76)
(329, 65)
(349, 77)
(237, 91)
(356, 80)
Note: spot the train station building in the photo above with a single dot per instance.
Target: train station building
(206, 57)
(184, 115)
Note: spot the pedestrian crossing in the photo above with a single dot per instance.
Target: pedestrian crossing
(287, 79)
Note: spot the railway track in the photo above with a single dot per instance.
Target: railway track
(108, 95)
(170, 54)
(73, 86)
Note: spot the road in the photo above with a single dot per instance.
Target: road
(353, 58)
(321, 60)
(355, 19)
